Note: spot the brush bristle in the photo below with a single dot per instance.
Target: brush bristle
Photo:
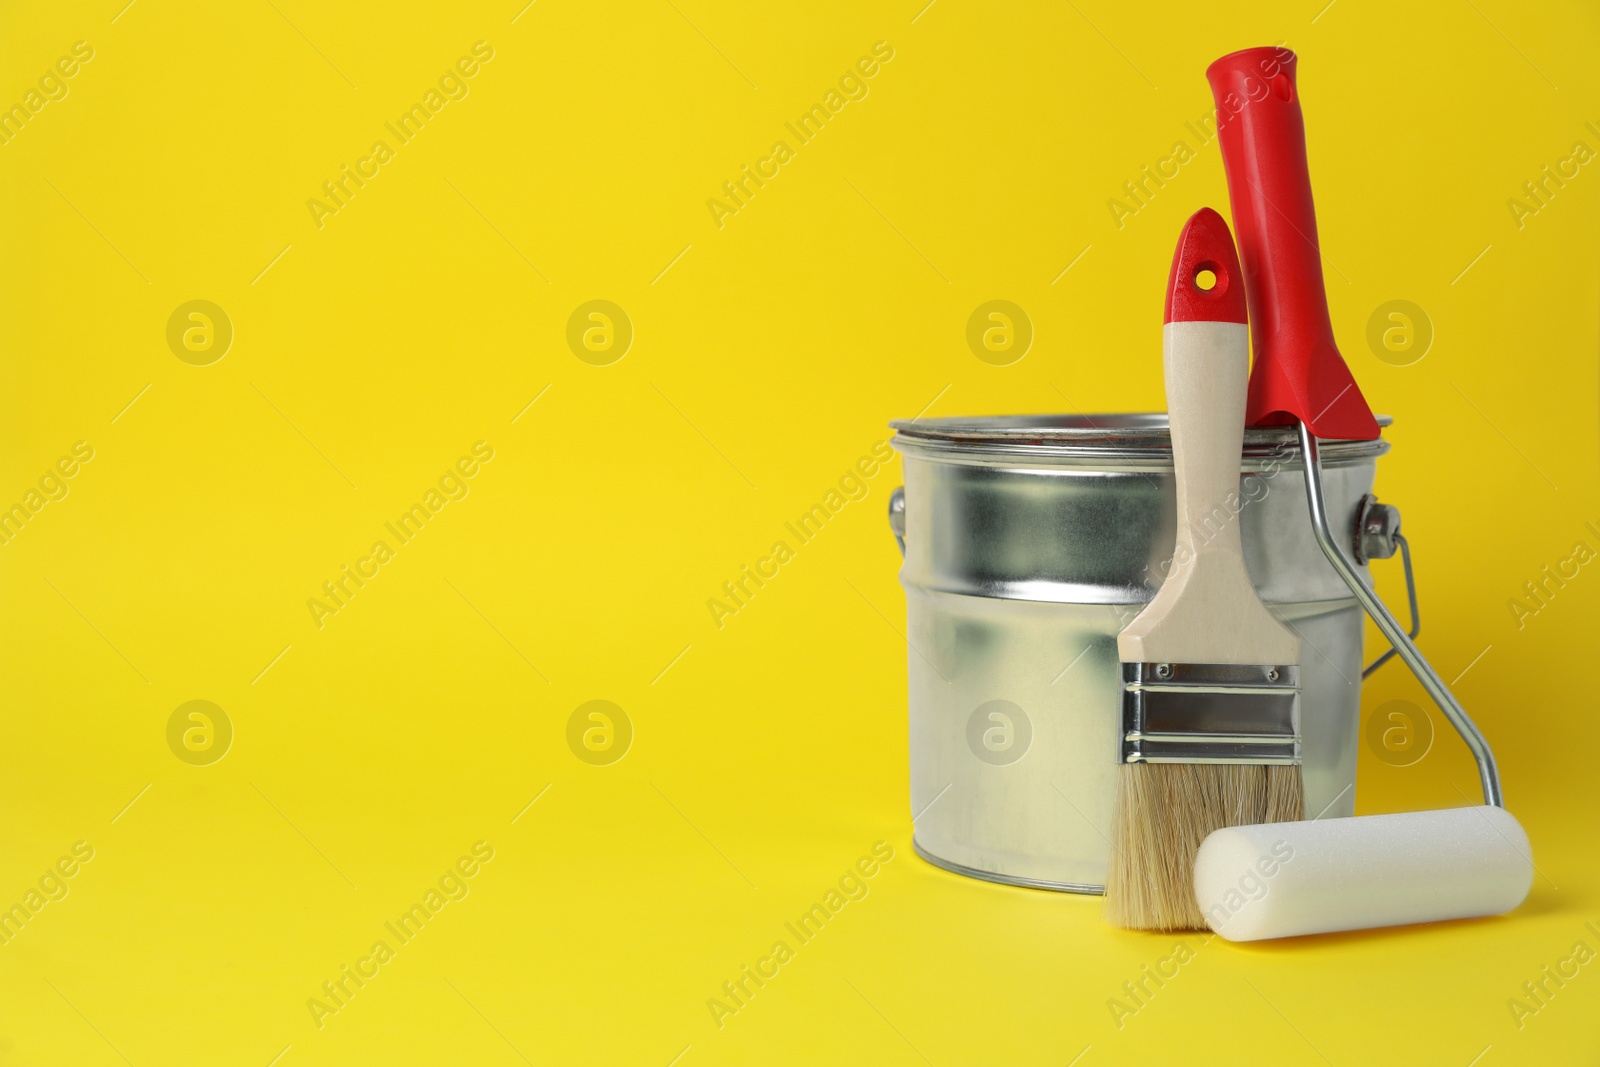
(1163, 812)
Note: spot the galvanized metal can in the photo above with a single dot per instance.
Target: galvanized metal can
(1029, 542)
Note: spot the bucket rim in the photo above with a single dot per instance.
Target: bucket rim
(1123, 436)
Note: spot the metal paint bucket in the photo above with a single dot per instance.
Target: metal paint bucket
(1029, 542)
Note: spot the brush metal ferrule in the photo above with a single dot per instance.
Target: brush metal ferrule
(1210, 713)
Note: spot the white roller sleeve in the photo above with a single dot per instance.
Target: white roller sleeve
(1292, 878)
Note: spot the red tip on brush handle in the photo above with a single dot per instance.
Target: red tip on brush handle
(1205, 247)
(1298, 372)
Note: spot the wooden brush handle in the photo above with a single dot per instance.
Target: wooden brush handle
(1207, 610)
(1207, 368)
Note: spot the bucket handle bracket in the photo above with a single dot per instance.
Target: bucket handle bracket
(897, 517)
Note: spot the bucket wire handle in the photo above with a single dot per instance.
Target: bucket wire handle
(1488, 774)
(1378, 536)
(1411, 596)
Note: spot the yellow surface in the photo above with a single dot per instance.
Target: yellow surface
(375, 345)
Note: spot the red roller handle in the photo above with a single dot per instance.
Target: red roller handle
(1298, 373)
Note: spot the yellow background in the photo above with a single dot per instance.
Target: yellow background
(768, 355)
